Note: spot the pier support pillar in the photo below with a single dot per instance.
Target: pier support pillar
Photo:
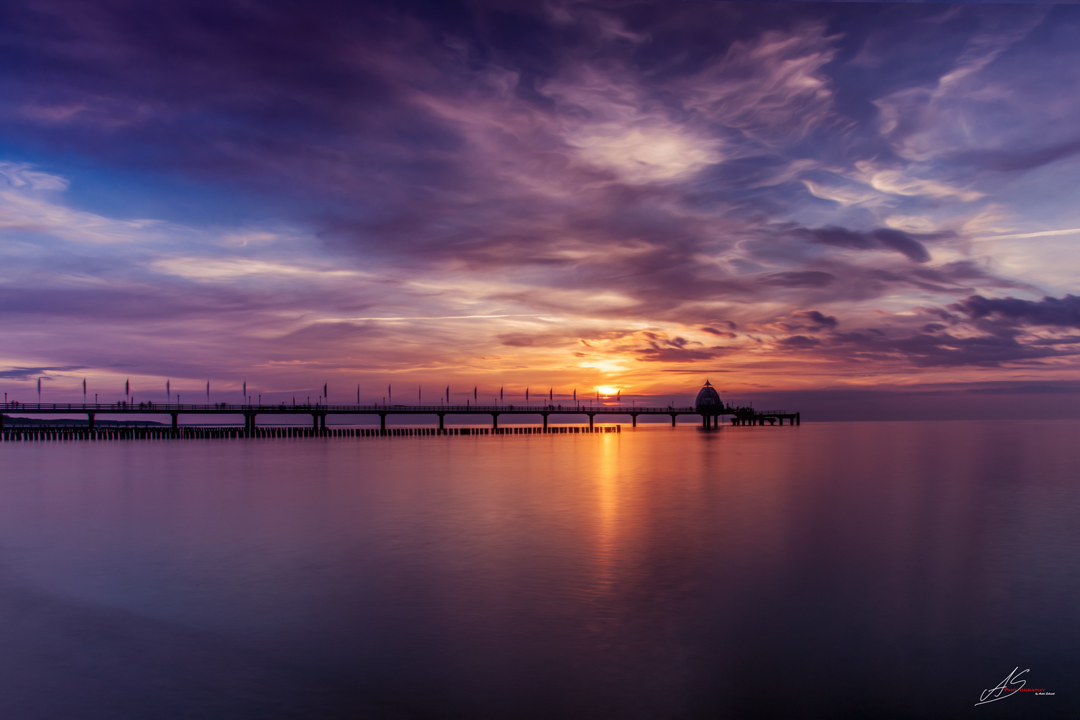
(441, 417)
(590, 421)
(251, 423)
(672, 419)
(382, 422)
(495, 421)
(175, 420)
(798, 420)
(314, 422)
(322, 421)
(633, 420)
(545, 421)
(89, 421)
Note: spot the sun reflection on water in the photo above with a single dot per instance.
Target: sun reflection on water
(607, 512)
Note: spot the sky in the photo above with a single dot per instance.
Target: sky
(864, 209)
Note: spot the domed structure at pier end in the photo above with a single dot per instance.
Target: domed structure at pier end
(708, 400)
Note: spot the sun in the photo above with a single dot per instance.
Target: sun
(607, 390)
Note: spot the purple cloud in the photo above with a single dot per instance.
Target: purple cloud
(882, 238)
(510, 182)
(1050, 311)
(818, 318)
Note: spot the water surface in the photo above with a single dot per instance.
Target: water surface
(885, 569)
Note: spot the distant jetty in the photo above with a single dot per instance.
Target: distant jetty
(708, 406)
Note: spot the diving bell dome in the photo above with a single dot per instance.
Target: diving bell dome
(708, 398)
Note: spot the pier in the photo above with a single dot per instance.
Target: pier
(710, 416)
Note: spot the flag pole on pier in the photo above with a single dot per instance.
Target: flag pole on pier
(39, 391)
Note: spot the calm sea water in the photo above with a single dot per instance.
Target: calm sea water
(882, 570)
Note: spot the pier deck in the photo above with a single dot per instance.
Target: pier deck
(319, 413)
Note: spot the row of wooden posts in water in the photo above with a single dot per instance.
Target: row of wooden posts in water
(59, 434)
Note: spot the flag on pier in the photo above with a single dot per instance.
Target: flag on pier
(168, 391)
(551, 394)
(526, 394)
(419, 395)
(390, 393)
(575, 394)
(39, 390)
(127, 387)
(618, 395)
(357, 395)
(324, 390)
(84, 389)
(474, 392)
(207, 391)
(500, 394)
(447, 394)
(245, 390)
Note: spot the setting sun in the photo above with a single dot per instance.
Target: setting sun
(607, 390)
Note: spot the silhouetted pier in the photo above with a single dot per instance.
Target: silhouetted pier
(710, 417)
